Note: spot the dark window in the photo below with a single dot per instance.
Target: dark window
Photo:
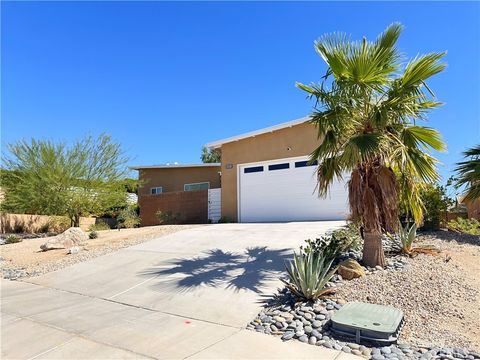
(305, 163)
(279, 166)
(253, 169)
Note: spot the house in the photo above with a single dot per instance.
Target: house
(265, 177)
(473, 207)
(180, 189)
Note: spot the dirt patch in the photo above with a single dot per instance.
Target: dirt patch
(26, 258)
(440, 295)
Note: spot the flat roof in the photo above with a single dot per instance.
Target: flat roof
(219, 143)
(172, 166)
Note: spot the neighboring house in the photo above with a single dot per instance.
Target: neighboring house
(473, 207)
(265, 177)
(180, 189)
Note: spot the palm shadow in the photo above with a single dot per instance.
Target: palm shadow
(249, 270)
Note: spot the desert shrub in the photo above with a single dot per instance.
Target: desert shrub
(467, 226)
(335, 243)
(309, 274)
(59, 224)
(224, 220)
(45, 228)
(436, 202)
(101, 225)
(19, 228)
(93, 235)
(168, 217)
(128, 218)
(12, 239)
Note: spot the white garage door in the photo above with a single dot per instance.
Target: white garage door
(285, 190)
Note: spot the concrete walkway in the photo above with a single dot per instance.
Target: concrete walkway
(185, 295)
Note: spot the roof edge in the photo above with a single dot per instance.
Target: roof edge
(219, 143)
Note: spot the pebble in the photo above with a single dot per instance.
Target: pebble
(303, 338)
(316, 324)
(310, 324)
(288, 335)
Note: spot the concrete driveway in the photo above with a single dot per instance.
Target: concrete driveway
(184, 295)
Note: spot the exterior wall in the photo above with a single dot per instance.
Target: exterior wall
(473, 209)
(173, 179)
(191, 205)
(298, 140)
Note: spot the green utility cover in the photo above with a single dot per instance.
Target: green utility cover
(368, 321)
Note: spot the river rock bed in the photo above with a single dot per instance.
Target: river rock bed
(310, 323)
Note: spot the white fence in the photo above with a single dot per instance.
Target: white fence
(214, 204)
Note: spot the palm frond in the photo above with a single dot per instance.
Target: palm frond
(469, 173)
(422, 68)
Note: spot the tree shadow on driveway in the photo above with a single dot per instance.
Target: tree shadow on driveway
(250, 270)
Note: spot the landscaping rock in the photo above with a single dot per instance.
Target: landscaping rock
(74, 250)
(70, 238)
(350, 269)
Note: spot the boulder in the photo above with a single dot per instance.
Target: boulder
(350, 269)
(70, 238)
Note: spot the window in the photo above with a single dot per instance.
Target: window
(253, 169)
(305, 163)
(156, 190)
(279, 166)
(196, 186)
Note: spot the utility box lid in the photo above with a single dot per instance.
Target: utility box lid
(368, 321)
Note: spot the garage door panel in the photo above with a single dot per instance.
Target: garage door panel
(288, 195)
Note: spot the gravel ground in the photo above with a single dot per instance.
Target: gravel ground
(440, 295)
(25, 258)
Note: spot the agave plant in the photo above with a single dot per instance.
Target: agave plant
(309, 274)
(405, 238)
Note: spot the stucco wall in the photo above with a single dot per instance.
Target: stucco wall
(173, 179)
(473, 209)
(298, 140)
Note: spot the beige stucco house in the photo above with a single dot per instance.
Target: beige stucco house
(264, 176)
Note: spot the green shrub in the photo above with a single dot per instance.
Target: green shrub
(59, 224)
(467, 226)
(128, 217)
(101, 225)
(93, 235)
(168, 217)
(224, 220)
(45, 228)
(337, 242)
(12, 239)
(436, 203)
(308, 275)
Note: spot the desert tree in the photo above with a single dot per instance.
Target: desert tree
(210, 156)
(52, 178)
(366, 110)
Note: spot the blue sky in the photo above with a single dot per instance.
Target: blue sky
(165, 78)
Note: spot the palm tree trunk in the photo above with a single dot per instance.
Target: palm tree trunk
(373, 254)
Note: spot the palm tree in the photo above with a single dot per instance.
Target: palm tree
(469, 173)
(366, 109)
